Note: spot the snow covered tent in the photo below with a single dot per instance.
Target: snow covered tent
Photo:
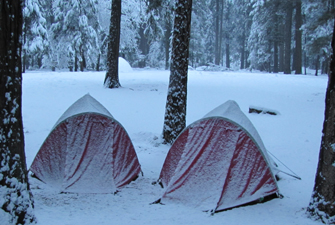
(87, 151)
(124, 66)
(218, 162)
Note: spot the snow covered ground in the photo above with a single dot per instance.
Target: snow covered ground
(293, 137)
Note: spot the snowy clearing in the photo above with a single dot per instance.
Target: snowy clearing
(293, 136)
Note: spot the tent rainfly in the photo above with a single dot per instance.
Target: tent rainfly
(87, 151)
(218, 162)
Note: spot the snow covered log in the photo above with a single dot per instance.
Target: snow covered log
(261, 110)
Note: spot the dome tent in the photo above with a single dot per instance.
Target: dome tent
(124, 66)
(218, 162)
(87, 151)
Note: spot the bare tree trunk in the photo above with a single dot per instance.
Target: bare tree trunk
(75, 61)
(322, 203)
(281, 57)
(228, 37)
(24, 51)
(288, 34)
(175, 112)
(218, 31)
(243, 49)
(97, 68)
(16, 198)
(112, 75)
(167, 43)
(143, 46)
(317, 61)
(275, 57)
(298, 36)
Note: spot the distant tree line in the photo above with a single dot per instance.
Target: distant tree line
(266, 35)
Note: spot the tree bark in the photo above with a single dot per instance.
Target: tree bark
(175, 112)
(75, 61)
(97, 68)
(276, 38)
(298, 36)
(317, 61)
(288, 34)
(243, 49)
(112, 75)
(218, 33)
(167, 35)
(281, 57)
(220, 30)
(322, 202)
(275, 57)
(15, 195)
(228, 37)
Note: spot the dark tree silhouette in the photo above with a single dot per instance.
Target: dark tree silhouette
(16, 204)
(175, 112)
(288, 35)
(298, 38)
(112, 75)
(322, 204)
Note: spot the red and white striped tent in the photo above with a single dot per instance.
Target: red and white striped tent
(218, 162)
(87, 151)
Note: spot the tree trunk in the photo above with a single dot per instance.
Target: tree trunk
(97, 68)
(39, 61)
(143, 47)
(220, 30)
(243, 50)
(75, 61)
(175, 112)
(167, 43)
(281, 57)
(217, 32)
(269, 62)
(15, 195)
(276, 38)
(112, 75)
(317, 61)
(322, 202)
(24, 51)
(288, 34)
(298, 36)
(83, 61)
(275, 57)
(228, 37)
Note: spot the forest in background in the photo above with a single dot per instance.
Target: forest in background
(267, 35)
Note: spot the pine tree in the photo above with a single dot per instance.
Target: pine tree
(16, 200)
(175, 113)
(259, 41)
(158, 28)
(322, 203)
(241, 12)
(318, 31)
(201, 49)
(75, 31)
(112, 75)
(35, 37)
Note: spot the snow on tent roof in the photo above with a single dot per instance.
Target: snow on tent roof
(87, 151)
(217, 163)
(85, 104)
